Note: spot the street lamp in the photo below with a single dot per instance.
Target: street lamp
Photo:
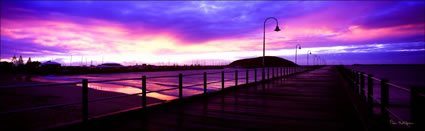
(264, 40)
(308, 53)
(299, 47)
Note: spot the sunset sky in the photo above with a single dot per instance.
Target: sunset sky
(212, 32)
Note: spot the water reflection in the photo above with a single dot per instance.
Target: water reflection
(153, 84)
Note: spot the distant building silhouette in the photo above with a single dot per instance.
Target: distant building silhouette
(20, 61)
(14, 61)
(29, 60)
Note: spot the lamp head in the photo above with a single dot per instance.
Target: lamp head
(277, 28)
(299, 47)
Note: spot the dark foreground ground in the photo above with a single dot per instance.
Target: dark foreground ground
(315, 100)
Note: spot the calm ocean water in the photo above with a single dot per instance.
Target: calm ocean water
(403, 75)
(193, 83)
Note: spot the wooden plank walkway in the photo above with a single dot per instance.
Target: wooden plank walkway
(315, 100)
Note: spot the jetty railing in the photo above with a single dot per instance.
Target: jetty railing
(363, 85)
(270, 73)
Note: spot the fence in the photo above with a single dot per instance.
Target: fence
(267, 73)
(359, 81)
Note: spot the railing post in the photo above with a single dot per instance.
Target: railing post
(362, 85)
(268, 73)
(353, 79)
(354, 82)
(357, 82)
(144, 91)
(180, 86)
(417, 108)
(205, 82)
(236, 78)
(222, 80)
(384, 100)
(263, 74)
(289, 70)
(281, 71)
(272, 72)
(255, 75)
(370, 90)
(247, 71)
(292, 70)
(85, 99)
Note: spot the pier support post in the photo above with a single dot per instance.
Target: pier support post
(385, 101)
(289, 70)
(85, 100)
(236, 78)
(255, 75)
(272, 72)
(417, 100)
(292, 70)
(353, 78)
(205, 82)
(268, 73)
(222, 80)
(357, 82)
(247, 71)
(144, 91)
(281, 74)
(264, 74)
(180, 86)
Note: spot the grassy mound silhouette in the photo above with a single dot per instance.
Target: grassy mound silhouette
(269, 61)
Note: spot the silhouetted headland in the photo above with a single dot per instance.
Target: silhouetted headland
(269, 61)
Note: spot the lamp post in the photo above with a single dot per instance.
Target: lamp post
(264, 39)
(299, 47)
(308, 53)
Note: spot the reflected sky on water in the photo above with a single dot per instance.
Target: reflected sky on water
(155, 84)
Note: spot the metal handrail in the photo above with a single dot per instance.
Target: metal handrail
(155, 77)
(399, 87)
(376, 79)
(391, 84)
